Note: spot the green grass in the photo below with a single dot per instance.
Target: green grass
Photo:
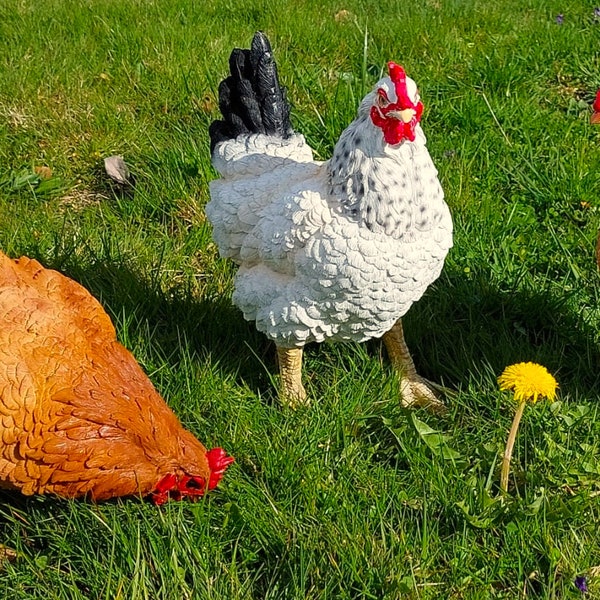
(353, 497)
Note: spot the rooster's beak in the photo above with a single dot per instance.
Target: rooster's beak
(595, 118)
(406, 115)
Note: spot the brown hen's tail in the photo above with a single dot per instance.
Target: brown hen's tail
(251, 99)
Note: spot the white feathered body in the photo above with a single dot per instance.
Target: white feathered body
(335, 250)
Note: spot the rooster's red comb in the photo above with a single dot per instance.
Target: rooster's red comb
(398, 77)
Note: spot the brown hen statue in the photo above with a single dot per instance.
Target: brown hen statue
(78, 416)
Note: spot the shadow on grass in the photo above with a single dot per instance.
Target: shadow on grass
(212, 329)
(465, 329)
(469, 329)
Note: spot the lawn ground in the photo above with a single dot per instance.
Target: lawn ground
(352, 497)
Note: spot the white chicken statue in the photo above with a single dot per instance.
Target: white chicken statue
(336, 250)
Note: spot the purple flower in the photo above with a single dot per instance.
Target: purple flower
(559, 19)
(581, 584)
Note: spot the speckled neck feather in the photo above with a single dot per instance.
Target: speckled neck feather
(370, 178)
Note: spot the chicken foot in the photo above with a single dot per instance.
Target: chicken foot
(414, 389)
(293, 393)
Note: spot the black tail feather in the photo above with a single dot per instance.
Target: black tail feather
(251, 99)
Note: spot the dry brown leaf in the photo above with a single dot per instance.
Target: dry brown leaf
(207, 104)
(43, 172)
(117, 170)
(343, 15)
(7, 554)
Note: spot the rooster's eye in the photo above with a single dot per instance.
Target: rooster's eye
(382, 101)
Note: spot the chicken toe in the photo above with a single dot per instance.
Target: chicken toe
(414, 389)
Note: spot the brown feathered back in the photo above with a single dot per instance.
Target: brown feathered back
(77, 413)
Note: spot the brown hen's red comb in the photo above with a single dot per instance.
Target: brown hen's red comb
(218, 461)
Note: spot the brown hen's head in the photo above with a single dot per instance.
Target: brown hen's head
(397, 108)
(177, 487)
(595, 118)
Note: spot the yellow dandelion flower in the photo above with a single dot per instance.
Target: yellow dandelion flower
(529, 381)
